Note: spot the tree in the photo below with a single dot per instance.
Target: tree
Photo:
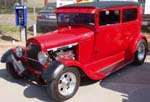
(7, 3)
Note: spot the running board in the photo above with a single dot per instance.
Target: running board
(114, 67)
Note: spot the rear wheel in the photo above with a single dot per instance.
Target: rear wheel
(65, 85)
(11, 70)
(140, 53)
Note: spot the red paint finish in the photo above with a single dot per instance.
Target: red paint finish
(100, 49)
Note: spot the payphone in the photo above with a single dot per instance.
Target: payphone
(21, 15)
(21, 20)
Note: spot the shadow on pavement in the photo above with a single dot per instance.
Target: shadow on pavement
(32, 90)
(8, 38)
(86, 81)
(6, 76)
(133, 82)
(37, 91)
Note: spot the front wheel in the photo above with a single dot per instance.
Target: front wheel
(65, 85)
(140, 53)
(11, 70)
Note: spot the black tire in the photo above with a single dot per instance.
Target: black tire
(10, 69)
(140, 60)
(56, 93)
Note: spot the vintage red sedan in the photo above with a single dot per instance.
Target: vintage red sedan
(93, 39)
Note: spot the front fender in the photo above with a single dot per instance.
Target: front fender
(53, 70)
(7, 56)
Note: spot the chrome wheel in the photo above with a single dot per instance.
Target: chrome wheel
(141, 51)
(67, 83)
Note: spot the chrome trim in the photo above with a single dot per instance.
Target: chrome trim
(17, 65)
(67, 83)
(31, 59)
(56, 48)
(109, 66)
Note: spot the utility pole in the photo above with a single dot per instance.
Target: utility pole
(22, 2)
(34, 25)
(23, 29)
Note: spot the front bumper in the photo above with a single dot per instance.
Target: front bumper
(22, 67)
(18, 66)
(27, 72)
(9, 57)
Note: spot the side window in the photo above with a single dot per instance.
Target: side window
(129, 15)
(109, 17)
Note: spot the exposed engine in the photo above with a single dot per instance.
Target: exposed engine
(65, 52)
(66, 55)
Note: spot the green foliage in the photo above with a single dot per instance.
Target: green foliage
(7, 3)
(9, 28)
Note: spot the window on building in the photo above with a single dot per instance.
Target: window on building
(109, 17)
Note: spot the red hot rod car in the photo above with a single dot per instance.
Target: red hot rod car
(92, 39)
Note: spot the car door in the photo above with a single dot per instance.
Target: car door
(109, 38)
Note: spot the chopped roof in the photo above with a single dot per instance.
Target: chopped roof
(104, 4)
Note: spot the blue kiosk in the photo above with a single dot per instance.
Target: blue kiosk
(21, 20)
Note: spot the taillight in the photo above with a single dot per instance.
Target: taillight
(39, 16)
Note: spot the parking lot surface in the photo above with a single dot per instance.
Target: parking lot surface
(131, 84)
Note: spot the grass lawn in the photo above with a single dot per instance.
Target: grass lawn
(31, 16)
(6, 11)
(10, 33)
(9, 28)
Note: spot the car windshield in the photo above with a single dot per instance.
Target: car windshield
(76, 18)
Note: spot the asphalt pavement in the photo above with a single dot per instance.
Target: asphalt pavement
(130, 84)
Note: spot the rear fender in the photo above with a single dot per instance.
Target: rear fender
(130, 52)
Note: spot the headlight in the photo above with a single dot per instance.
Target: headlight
(42, 57)
(19, 51)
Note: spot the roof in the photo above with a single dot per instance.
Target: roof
(104, 4)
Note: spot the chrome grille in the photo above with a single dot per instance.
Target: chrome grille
(32, 53)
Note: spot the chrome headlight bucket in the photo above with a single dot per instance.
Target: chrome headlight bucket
(42, 57)
(19, 51)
